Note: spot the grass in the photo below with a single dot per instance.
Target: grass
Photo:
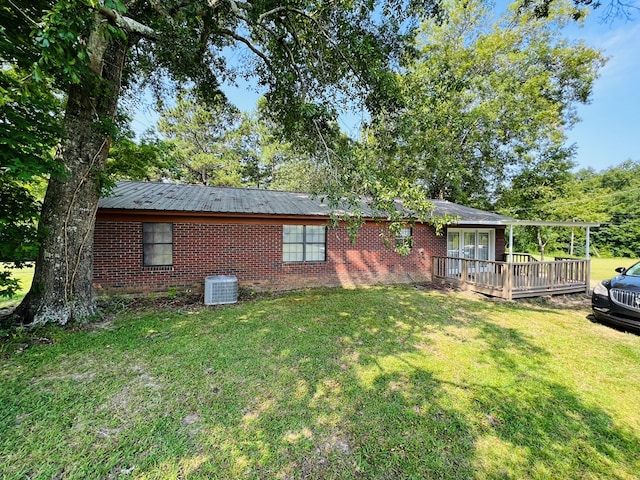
(604, 268)
(386, 382)
(24, 276)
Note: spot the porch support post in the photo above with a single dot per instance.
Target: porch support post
(588, 263)
(588, 243)
(511, 243)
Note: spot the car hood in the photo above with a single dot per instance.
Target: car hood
(625, 282)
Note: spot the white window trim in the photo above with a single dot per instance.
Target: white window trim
(462, 231)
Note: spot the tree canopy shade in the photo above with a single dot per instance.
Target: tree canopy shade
(307, 54)
(483, 99)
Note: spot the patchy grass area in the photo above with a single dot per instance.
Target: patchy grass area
(388, 382)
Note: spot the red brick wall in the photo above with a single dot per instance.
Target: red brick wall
(253, 253)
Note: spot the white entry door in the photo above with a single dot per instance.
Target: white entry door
(471, 243)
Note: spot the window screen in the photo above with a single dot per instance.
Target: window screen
(157, 244)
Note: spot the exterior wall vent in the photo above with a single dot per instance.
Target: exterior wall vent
(220, 289)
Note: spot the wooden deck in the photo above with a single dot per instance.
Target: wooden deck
(514, 280)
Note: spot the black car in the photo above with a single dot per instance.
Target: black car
(617, 301)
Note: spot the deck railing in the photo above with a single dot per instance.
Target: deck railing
(514, 280)
(519, 257)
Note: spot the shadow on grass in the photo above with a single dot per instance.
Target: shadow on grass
(554, 433)
(380, 383)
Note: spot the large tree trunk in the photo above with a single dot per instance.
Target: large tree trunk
(62, 289)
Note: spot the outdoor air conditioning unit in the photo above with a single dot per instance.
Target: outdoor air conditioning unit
(220, 289)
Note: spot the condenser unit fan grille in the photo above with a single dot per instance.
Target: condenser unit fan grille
(220, 289)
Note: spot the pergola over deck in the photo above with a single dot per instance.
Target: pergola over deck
(520, 275)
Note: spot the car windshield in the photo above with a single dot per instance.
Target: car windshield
(634, 270)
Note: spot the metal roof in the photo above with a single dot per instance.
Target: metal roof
(170, 197)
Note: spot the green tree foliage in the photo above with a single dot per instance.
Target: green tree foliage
(271, 160)
(617, 189)
(551, 192)
(150, 159)
(612, 10)
(534, 194)
(29, 129)
(483, 99)
(218, 144)
(204, 140)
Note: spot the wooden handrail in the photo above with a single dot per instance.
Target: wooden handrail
(519, 257)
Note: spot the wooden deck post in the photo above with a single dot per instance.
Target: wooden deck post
(587, 274)
(507, 280)
(463, 274)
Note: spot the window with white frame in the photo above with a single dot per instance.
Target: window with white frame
(304, 243)
(471, 243)
(157, 244)
(404, 237)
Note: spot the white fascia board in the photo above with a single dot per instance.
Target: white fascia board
(542, 223)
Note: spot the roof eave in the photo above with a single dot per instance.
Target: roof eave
(544, 223)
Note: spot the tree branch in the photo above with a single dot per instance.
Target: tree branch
(319, 26)
(247, 42)
(25, 15)
(271, 12)
(129, 25)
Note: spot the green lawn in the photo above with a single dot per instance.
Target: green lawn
(24, 276)
(604, 268)
(378, 383)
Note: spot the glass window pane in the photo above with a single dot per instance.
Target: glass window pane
(292, 252)
(163, 237)
(303, 243)
(483, 246)
(157, 232)
(453, 244)
(157, 239)
(469, 245)
(315, 234)
(403, 237)
(158, 254)
(315, 253)
(292, 233)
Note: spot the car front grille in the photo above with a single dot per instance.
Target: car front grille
(625, 298)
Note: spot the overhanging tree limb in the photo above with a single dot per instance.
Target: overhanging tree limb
(127, 24)
(247, 42)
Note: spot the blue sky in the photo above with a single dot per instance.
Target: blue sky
(609, 130)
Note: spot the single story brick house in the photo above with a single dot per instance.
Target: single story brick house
(157, 236)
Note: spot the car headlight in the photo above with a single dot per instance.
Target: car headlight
(600, 289)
